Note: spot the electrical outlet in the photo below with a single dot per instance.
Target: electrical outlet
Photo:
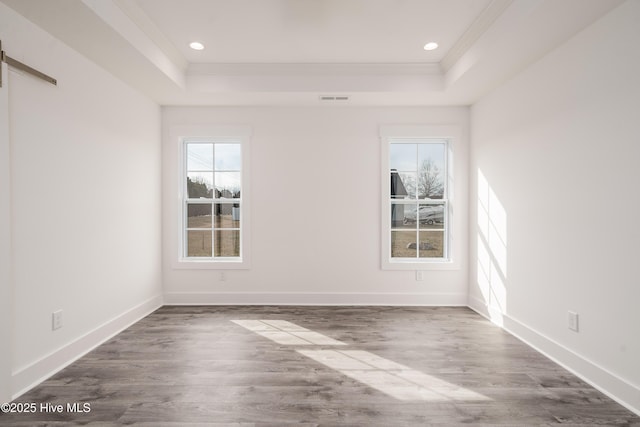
(223, 276)
(572, 321)
(56, 320)
(419, 275)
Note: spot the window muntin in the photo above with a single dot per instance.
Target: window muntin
(212, 205)
(418, 200)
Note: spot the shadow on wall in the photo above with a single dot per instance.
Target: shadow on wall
(492, 251)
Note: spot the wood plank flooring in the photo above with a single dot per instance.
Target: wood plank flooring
(384, 366)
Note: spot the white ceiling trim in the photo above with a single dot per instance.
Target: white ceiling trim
(315, 78)
(131, 31)
(482, 23)
(315, 83)
(428, 69)
(140, 18)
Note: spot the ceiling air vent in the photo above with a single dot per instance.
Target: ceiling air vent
(333, 98)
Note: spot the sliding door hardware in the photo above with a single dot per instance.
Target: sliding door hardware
(23, 67)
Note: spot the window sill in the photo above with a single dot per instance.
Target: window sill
(208, 264)
(422, 266)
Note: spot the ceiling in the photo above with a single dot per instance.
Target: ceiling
(292, 52)
(313, 31)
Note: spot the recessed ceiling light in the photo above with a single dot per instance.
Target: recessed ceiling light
(431, 46)
(196, 45)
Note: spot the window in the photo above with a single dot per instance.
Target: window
(213, 201)
(416, 201)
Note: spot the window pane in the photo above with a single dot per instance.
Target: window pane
(227, 243)
(403, 244)
(199, 157)
(227, 185)
(408, 182)
(199, 243)
(431, 170)
(402, 157)
(199, 216)
(199, 184)
(432, 216)
(431, 244)
(214, 179)
(418, 196)
(227, 215)
(228, 157)
(403, 216)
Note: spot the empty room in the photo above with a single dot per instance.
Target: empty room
(319, 212)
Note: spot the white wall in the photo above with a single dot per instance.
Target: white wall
(559, 148)
(315, 180)
(85, 202)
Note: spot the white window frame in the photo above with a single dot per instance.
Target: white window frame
(419, 133)
(213, 134)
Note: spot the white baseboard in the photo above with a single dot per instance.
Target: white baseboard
(314, 298)
(28, 377)
(618, 389)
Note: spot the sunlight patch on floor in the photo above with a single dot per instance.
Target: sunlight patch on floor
(387, 376)
(286, 333)
(391, 378)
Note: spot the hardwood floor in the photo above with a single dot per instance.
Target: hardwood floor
(308, 366)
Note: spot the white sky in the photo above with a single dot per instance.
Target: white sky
(407, 157)
(202, 157)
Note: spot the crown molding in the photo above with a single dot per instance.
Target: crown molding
(151, 30)
(310, 69)
(482, 23)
